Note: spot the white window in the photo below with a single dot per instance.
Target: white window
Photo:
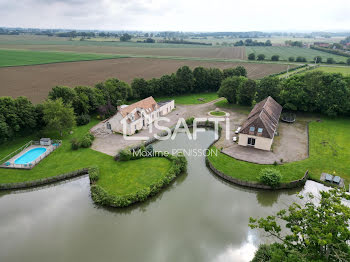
(252, 129)
(260, 130)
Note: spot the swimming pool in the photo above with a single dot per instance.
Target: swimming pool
(30, 156)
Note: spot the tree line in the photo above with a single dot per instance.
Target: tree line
(67, 106)
(326, 93)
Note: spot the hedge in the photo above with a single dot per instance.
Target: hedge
(331, 51)
(102, 197)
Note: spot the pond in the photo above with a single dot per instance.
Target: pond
(197, 218)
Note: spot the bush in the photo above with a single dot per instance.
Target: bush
(330, 61)
(75, 143)
(291, 59)
(189, 121)
(275, 58)
(125, 155)
(270, 177)
(91, 136)
(83, 119)
(261, 57)
(86, 142)
(94, 175)
(348, 61)
(251, 56)
(301, 59)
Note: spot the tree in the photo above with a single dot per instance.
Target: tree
(58, 116)
(268, 86)
(167, 84)
(318, 230)
(140, 88)
(251, 56)
(229, 88)
(125, 37)
(114, 91)
(66, 93)
(238, 71)
(215, 77)
(291, 59)
(275, 58)
(246, 92)
(330, 60)
(201, 76)
(300, 59)
(184, 80)
(261, 57)
(348, 61)
(318, 59)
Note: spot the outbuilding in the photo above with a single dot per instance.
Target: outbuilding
(258, 131)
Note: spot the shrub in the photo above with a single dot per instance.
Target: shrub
(91, 136)
(270, 177)
(86, 142)
(301, 59)
(125, 155)
(83, 119)
(348, 61)
(275, 58)
(261, 57)
(189, 121)
(291, 59)
(251, 56)
(330, 60)
(93, 175)
(75, 143)
(318, 59)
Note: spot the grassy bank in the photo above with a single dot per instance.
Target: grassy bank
(117, 178)
(26, 57)
(329, 152)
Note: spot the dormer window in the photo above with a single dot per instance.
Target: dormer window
(252, 129)
(260, 130)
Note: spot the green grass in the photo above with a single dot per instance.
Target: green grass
(330, 69)
(115, 177)
(329, 152)
(190, 99)
(285, 52)
(238, 108)
(217, 113)
(26, 57)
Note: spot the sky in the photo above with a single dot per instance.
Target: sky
(178, 15)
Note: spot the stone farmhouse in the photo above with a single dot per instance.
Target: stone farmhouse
(131, 118)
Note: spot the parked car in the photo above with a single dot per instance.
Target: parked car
(234, 139)
(237, 130)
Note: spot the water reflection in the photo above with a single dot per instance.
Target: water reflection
(199, 217)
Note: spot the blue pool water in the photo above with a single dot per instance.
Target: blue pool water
(30, 156)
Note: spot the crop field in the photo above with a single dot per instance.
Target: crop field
(286, 52)
(26, 57)
(36, 81)
(36, 43)
(335, 69)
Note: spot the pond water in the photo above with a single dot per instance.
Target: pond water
(198, 218)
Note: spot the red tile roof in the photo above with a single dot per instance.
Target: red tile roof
(148, 104)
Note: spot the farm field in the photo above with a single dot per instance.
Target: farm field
(286, 52)
(36, 81)
(26, 57)
(335, 69)
(124, 48)
(190, 99)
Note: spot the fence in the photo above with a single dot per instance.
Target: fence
(54, 145)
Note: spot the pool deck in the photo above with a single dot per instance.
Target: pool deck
(49, 149)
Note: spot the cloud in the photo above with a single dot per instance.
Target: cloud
(180, 15)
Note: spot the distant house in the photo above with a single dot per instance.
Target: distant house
(259, 129)
(139, 115)
(322, 44)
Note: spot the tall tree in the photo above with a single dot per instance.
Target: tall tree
(318, 230)
(58, 116)
(246, 92)
(268, 86)
(184, 80)
(66, 93)
(229, 88)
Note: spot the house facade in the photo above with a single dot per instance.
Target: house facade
(131, 118)
(258, 131)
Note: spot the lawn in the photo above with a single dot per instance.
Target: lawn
(335, 69)
(238, 108)
(217, 113)
(26, 57)
(115, 177)
(190, 99)
(285, 52)
(329, 152)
